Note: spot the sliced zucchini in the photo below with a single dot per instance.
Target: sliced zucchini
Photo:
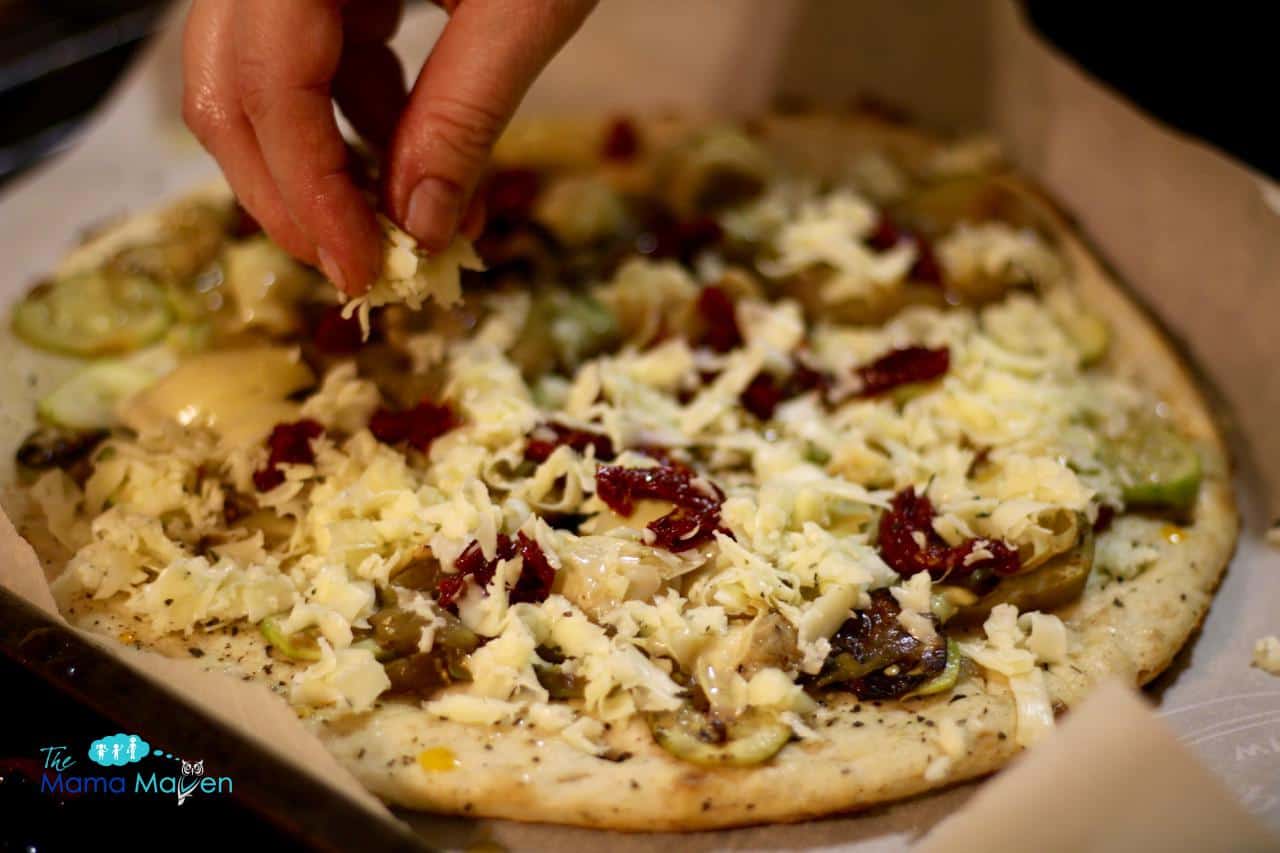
(185, 244)
(1155, 465)
(93, 313)
(301, 646)
(752, 738)
(88, 400)
(944, 680)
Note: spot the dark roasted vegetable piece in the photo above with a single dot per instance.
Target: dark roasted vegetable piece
(874, 657)
(1059, 581)
(690, 735)
(50, 447)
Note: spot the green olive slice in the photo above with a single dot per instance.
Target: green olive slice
(752, 738)
(93, 313)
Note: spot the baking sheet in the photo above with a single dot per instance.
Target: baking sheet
(1190, 229)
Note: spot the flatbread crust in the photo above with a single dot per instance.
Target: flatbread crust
(869, 752)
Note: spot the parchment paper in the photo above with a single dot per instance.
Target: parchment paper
(1187, 227)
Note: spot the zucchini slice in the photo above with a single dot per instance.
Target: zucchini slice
(752, 738)
(944, 680)
(88, 400)
(1156, 466)
(301, 646)
(93, 313)
(1059, 581)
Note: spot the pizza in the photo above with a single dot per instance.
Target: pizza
(739, 472)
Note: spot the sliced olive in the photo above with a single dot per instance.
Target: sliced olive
(400, 630)
(421, 673)
(690, 735)
(1059, 581)
(944, 680)
(422, 574)
(558, 683)
(93, 313)
(1155, 465)
(301, 645)
(397, 630)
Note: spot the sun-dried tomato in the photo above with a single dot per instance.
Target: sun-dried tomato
(335, 334)
(536, 572)
(665, 236)
(419, 426)
(909, 544)
(533, 585)
(1106, 515)
(243, 224)
(545, 438)
(926, 267)
(696, 517)
(719, 321)
(903, 366)
(766, 392)
(621, 141)
(763, 395)
(510, 194)
(888, 234)
(288, 443)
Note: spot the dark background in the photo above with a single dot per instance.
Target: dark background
(1201, 69)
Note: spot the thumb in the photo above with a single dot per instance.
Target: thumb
(482, 65)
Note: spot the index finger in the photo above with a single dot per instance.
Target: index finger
(287, 53)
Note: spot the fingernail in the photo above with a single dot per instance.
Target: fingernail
(331, 270)
(433, 211)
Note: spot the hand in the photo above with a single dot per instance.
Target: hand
(260, 79)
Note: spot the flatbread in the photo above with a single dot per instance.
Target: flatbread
(864, 753)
